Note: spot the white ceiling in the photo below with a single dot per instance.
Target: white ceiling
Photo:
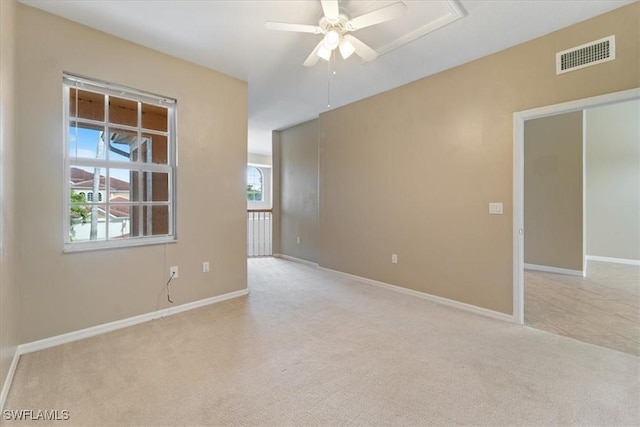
(229, 36)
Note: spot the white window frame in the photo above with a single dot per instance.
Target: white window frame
(265, 203)
(81, 83)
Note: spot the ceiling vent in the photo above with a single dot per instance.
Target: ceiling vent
(586, 55)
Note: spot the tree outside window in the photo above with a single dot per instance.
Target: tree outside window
(254, 184)
(78, 213)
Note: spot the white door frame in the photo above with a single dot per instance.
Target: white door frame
(518, 178)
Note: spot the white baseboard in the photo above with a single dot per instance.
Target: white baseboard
(119, 324)
(9, 379)
(558, 270)
(294, 259)
(440, 300)
(614, 260)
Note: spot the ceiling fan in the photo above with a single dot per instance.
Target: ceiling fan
(335, 26)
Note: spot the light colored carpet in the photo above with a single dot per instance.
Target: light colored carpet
(308, 347)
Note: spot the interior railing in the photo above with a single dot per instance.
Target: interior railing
(259, 223)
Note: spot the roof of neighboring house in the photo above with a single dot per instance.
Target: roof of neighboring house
(118, 199)
(115, 211)
(119, 211)
(83, 179)
(80, 175)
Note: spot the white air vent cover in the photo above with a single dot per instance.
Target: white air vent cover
(586, 55)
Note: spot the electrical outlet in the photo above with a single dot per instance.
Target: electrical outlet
(394, 258)
(298, 239)
(205, 267)
(173, 272)
(495, 208)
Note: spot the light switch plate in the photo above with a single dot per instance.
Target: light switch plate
(495, 208)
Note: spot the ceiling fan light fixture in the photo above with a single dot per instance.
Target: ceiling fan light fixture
(324, 53)
(335, 26)
(331, 39)
(346, 48)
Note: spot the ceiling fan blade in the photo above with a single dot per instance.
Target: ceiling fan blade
(330, 8)
(299, 28)
(362, 50)
(313, 58)
(383, 14)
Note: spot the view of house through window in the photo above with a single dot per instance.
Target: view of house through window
(120, 164)
(255, 180)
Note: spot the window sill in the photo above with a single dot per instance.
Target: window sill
(115, 244)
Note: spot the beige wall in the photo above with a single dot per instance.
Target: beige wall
(299, 191)
(9, 329)
(66, 292)
(553, 202)
(613, 180)
(412, 171)
(275, 223)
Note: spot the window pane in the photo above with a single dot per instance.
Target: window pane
(134, 223)
(89, 105)
(154, 117)
(156, 186)
(123, 145)
(120, 187)
(135, 194)
(87, 222)
(156, 220)
(123, 111)
(83, 180)
(119, 221)
(79, 217)
(79, 213)
(85, 142)
(154, 149)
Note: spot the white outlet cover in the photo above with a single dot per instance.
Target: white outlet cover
(495, 208)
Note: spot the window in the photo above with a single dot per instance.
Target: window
(120, 152)
(254, 184)
(258, 186)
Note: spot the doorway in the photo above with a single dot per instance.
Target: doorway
(562, 282)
